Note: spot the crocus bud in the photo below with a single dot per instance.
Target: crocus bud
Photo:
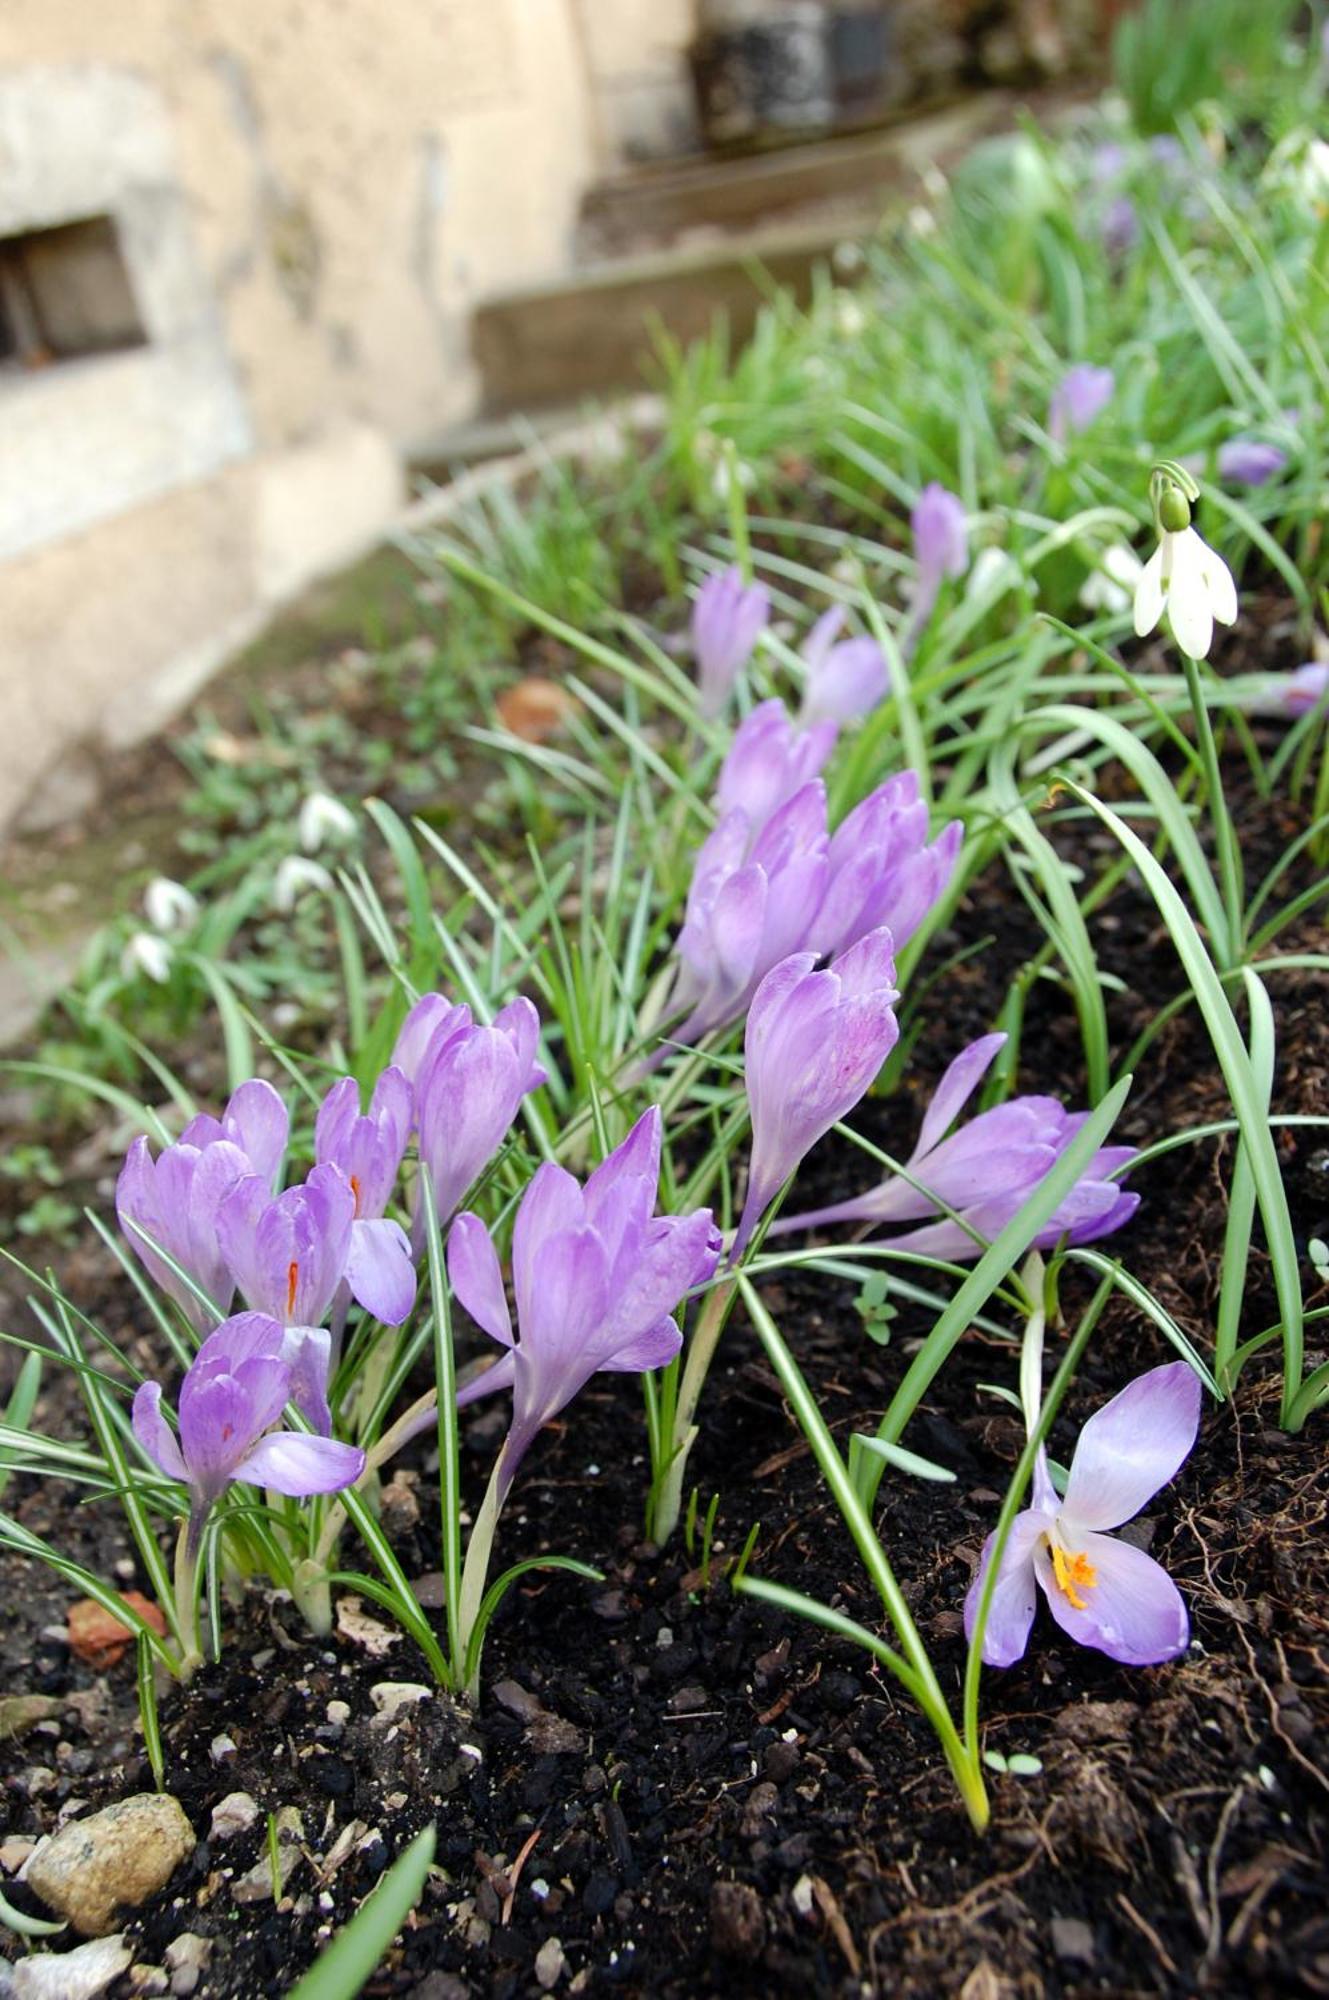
(881, 870)
(941, 537)
(815, 1041)
(1078, 398)
(846, 677)
(727, 620)
(768, 761)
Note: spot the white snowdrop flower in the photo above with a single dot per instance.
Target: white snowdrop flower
(994, 571)
(1185, 578)
(1111, 587)
(847, 258)
(324, 818)
(295, 875)
(169, 905)
(850, 318)
(148, 954)
(732, 472)
(922, 221)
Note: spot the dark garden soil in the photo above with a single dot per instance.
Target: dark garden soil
(695, 1795)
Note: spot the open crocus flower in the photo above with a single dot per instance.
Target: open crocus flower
(728, 617)
(256, 1120)
(769, 761)
(289, 1254)
(748, 907)
(466, 1098)
(368, 1148)
(174, 1199)
(814, 1043)
(881, 868)
(985, 1171)
(234, 1391)
(846, 678)
(1103, 1592)
(1194, 585)
(1082, 393)
(172, 1202)
(597, 1275)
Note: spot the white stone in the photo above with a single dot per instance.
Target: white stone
(82, 1974)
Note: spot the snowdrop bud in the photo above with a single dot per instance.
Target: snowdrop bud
(148, 954)
(324, 818)
(294, 876)
(169, 905)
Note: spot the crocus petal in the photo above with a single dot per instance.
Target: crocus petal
(379, 1270)
(498, 1375)
(958, 1084)
(655, 1348)
(1133, 1446)
(307, 1352)
(1149, 595)
(257, 1121)
(1132, 1611)
(556, 1355)
(476, 1277)
(293, 1463)
(154, 1433)
(1014, 1598)
(250, 1336)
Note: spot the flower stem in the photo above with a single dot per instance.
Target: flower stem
(480, 1548)
(187, 1550)
(667, 1499)
(1225, 836)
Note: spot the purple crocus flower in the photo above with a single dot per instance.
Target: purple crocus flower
(941, 540)
(1081, 394)
(234, 1391)
(466, 1097)
(768, 761)
(748, 907)
(256, 1120)
(985, 1171)
(173, 1200)
(368, 1148)
(881, 869)
(846, 678)
(1103, 1592)
(814, 1043)
(1244, 461)
(1119, 230)
(432, 1022)
(728, 617)
(288, 1253)
(1287, 697)
(597, 1275)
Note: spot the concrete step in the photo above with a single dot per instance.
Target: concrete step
(553, 343)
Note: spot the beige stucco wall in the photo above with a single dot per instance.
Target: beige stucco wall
(344, 180)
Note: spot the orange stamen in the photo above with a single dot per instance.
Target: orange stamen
(1074, 1573)
(355, 1190)
(292, 1280)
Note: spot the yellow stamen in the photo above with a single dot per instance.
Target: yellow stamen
(1073, 1573)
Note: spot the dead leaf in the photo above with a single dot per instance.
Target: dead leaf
(100, 1640)
(536, 708)
(362, 1630)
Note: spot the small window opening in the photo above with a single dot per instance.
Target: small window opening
(65, 293)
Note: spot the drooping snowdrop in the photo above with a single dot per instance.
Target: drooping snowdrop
(1185, 578)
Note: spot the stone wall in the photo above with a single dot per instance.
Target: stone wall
(308, 202)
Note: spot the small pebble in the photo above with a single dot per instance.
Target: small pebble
(236, 1813)
(221, 1749)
